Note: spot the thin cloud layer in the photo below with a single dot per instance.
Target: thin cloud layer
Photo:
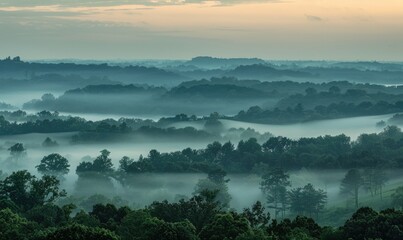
(90, 3)
(314, 18)
(303, 29)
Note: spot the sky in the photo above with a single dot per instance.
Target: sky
(182, 29)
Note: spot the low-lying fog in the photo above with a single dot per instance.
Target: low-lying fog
(18, 98)
(143, 189)
(33, 144)
(352, 127)
(101, 116)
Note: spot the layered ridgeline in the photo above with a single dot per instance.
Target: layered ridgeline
(203, 174)
(274, 102)
(62, 75)
(132, 99)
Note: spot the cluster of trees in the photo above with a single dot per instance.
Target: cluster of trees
(151, 100)
(370, 179)
(396, 119)
(30, 209)
(43, 126)
(102, 164)
(305, 200)
(105, 130)
(284, 89)
(249, 156)
(19, 122)
(4, 105)
(23, 116)
(329, 152)
(224, 91)
(298, 113)
(275, 182)
(334, 94)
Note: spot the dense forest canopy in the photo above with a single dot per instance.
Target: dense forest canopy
(207, 148)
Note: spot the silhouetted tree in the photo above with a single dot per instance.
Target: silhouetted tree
(17, 151)
(307, 200)
(274, 185)
(26, 191)
(351, 184)
(54, 164)
(256, 215)
(215, 182)
(48, 142)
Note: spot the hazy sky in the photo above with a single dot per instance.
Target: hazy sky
(179, 29)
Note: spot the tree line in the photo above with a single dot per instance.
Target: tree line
(30, 209)
(380, 150)
(376, 150)
(298, 113)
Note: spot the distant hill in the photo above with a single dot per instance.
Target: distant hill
(216, 91)
(374, 66)
(117, 89)
(132, 99)
(352, 74)
(213, 63)
(6, 106)
(18, 69)
(265, 73)
(51, 82)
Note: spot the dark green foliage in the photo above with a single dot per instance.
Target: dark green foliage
(327, 152)
(26, 191)
(108, 215)
(274, 185)
(255, 234)
(199, 210)
(307, 201)
(197, 218)
(217, 183)
(102, 164)
(256, 215)
(54, 164)
(13, 226)
(299, 228)
(225, 226)
(368, 224)
(215, 92)
(83, 218)
(43, 126)
(294, 113)
(351, 184)
(139, 225)
(49, 215)
(79, 232)
(131, 226)
(361, 224)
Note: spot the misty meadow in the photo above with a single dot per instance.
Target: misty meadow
(201, 120)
